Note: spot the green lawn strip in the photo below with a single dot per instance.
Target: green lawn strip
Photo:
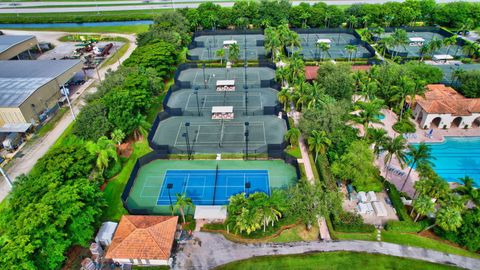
(312, 165)
(414, 240)
(294, 152)
(80, 17)
(124, 29)
(93, 5)
(296, 234)
(161, 267)
(357, 236)
(334, 260)
(115, 186)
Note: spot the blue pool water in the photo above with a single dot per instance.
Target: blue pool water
(380, 117)
(65, 25)
(457, 157)
(206, 187)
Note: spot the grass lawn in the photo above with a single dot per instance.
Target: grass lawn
(414, 240)
(124, 29)
(116, 55)
(334, 260)
(114, 188)
(357, 236)
(294, 152)
(296, 234)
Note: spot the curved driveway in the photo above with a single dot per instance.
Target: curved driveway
(209, 250)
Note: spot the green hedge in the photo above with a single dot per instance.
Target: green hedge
(405, 226)
(404, 126)
(397, 202)
(351, 223)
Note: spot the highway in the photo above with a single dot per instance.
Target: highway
(36, 7)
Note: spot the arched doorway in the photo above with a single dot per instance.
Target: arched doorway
(456, 122)
(435, 122)
(476, 123)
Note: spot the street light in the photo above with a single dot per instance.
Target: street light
(170, 186)
(246, 140)
(5, 175)
(66, 93)
(189, 152)
(204, 78)
(246, 100)
(196, 95)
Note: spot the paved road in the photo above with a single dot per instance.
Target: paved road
(168, 5)
(209, 250)
(35, 151)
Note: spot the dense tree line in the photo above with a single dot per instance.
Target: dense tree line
(273, 13)
(55, 206)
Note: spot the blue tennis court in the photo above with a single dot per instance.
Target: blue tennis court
(211, 187)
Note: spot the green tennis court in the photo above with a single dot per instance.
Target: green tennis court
(205, 46)
(146, 191)
(251, 100)
(198, 77)
(413, 49)
(206, 135)
(449, 70)
(337, 43)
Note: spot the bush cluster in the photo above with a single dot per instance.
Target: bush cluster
(397, 202)
(351, 223)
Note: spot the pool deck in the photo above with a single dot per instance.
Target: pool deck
(438, 136)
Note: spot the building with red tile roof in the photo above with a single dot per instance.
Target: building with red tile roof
(143, 240)
(443, 107)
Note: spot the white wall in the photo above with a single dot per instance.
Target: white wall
(446, 119)
(141, 261)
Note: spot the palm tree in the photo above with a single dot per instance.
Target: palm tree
(369, 114)
(433, 187)
(351, 21)
(104, 149)
(318, 142)
(292, 40)
(400, 38)
(323, 48)
(422, 205)
(351, 49)
(296, 69)
(182, 202)
(469, 48)
(468, 190)
(420, 154)
(435, 44)
(394, 148)
(272, 41)
(447, 218)
(424, 50)
(281, 74)
(221, 54)
(117, 136)
(449, 42)
(386, 43)
(284, 97)
(233, 52)
(378, 31)
(292, 136)
(143, 127)
(379, 137)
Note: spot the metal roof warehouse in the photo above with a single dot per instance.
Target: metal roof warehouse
(27, 88)
(12, 46)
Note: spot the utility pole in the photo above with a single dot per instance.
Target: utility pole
(246, 140)
(66, 93)
(5, 175)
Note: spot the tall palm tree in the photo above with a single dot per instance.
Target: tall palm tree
(104, 149)
(272, 41)
(425, 49)
(296, 69)
(468, 190)
(400, 38)
(323, 48)
(469, 48)
(423, 205)
(378, 137)
(433, 187)
(386, 44)
(292, 136)
(415, 155)
(143, 127)
(284, 96)
(449, 42)
(351, 49)
(182, 202)
(318, 142)
(394, 148)
(447, 218)
(220, 53)
(351, 21)
(233, 52)
(378, 31)
(292, 40)
(369, 113)
(435, 45)
(281, 74)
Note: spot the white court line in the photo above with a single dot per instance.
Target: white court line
(264, 133)
(178, 133)
(160, 191)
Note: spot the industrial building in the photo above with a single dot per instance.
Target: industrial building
(13, 47)
(30, 89)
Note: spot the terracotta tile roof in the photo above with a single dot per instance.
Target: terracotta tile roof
(311, 71)
(440, 99)
(143, 237)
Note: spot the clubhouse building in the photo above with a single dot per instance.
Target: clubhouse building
(443, 107)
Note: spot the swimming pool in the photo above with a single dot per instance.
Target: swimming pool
(457, 157)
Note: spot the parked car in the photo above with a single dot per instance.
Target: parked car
(12, 141)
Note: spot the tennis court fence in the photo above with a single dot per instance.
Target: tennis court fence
(223, 32)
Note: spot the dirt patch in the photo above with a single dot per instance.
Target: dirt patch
(75, 255)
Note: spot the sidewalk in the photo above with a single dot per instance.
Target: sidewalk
(23, 163)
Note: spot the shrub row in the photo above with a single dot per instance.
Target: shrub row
(394, 195)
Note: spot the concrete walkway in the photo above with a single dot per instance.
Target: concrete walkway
(209, 250)
(33, 152)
